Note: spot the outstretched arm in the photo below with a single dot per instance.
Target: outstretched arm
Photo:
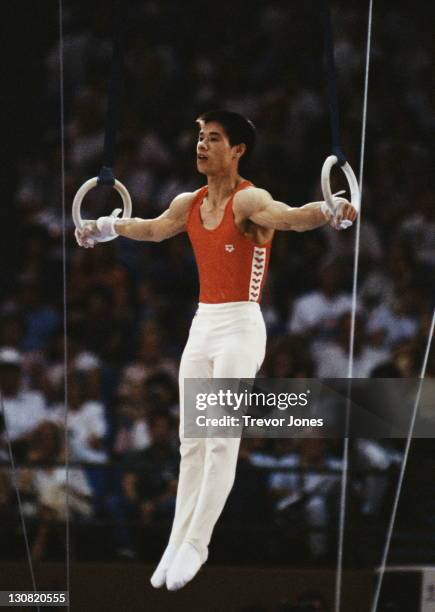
(168, 224)
(258, 206)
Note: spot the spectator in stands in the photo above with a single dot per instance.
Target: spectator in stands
(396, 321)
(23, 410)
(408, 357)
(41, 317)
(47, 490)
(332, 357)
(150, 477)
(88, 367)
(142, 394)
(132, 432)
(289, 357)
(418, 230)
(87, 423)
(249, 500)
(318, 311)
(307, 495)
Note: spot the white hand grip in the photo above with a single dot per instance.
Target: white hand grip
(355, 195)
(87, 186)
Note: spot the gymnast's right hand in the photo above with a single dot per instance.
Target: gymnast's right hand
(87, 235)
(101, 230)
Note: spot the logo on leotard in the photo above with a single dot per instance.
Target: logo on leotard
(229, 248)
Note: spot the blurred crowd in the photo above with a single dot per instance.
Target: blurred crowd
(129, 305)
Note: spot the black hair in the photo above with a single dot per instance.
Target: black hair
(238, 128)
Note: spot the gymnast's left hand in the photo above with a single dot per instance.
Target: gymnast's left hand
(344, 211)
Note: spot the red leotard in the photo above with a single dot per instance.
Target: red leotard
(232, 268)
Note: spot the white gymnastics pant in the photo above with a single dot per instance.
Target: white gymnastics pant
(225, 341)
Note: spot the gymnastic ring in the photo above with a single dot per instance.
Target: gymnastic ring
(87, 186)
(355, 195)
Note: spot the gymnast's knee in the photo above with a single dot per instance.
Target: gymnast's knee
(219, 448)
(190, 447)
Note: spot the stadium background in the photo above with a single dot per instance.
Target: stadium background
(130, 304)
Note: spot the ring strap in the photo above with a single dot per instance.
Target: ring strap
(106, 176)
(331, 83)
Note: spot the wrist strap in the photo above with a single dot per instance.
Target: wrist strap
(106, 227)
(327, 212)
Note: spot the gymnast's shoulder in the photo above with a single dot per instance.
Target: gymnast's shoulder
(183, 201)
(250, 200)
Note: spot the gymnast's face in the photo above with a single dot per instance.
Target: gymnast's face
(214, 154)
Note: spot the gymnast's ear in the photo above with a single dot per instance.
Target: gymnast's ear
(239, 150)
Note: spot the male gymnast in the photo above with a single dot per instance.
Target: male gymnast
(230, 224)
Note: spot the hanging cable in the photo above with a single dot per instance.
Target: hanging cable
(106, 176)
(403, 469)
(64, 296)
(17, 493)
(345, 471)
(331, 83)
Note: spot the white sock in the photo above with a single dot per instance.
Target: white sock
(158, 579)
(184, 567)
